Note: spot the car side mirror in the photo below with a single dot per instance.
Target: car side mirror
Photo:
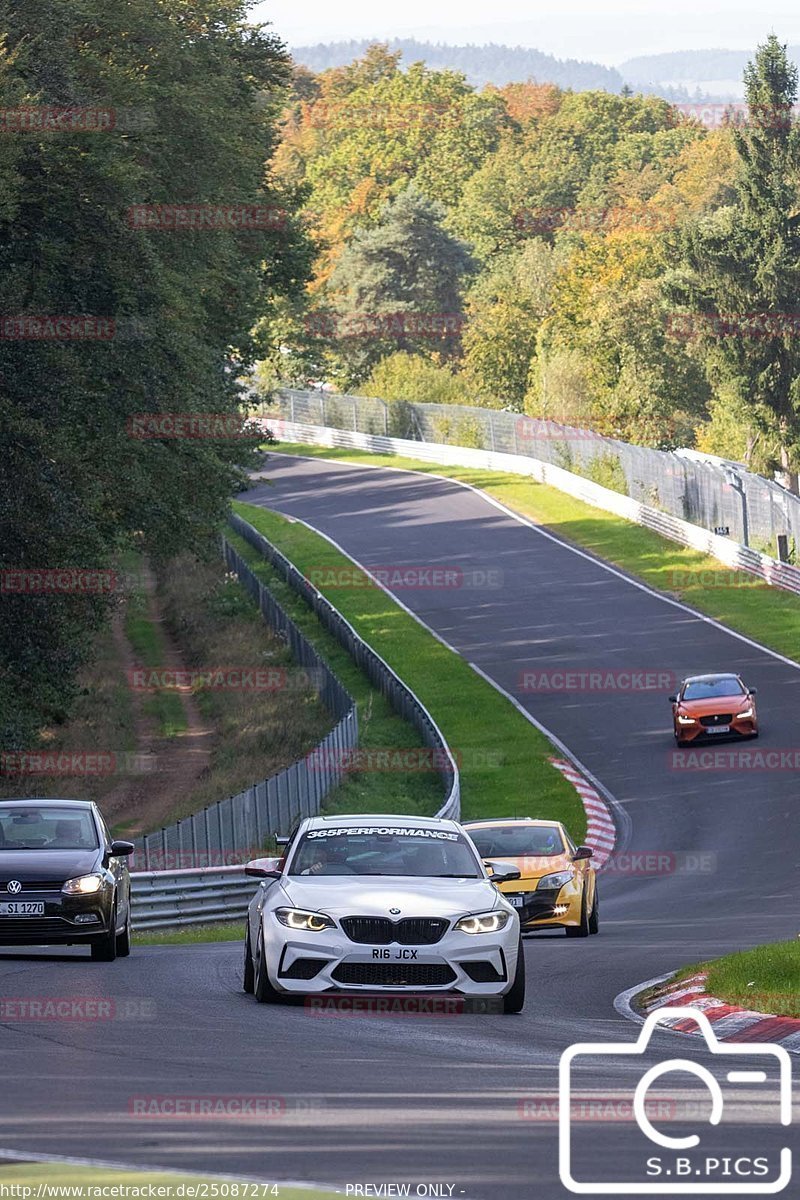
(673, 699)
(583, 852)
(121, 849)
(502, 872)
(261, 868)
(753, 691)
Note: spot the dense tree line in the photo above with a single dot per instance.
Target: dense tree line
(105, 107)
(604, 256)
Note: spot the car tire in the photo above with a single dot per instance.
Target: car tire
(263, 990)
(594, 915)
(124, 938)
(105, 948)
(514, 999)
(248, 973)
(583, 929)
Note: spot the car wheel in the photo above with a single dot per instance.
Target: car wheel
(514, 999)
(124, 938)
(583, 929)
(594, 915)
(263, 990)
(105, 948)
(248, 974)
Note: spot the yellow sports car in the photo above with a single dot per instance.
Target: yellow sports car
(557, 884)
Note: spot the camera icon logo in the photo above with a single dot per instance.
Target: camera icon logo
(677, 1171)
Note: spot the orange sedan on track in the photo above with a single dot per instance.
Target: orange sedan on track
(713, 706)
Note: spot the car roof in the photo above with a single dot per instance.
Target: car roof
(487, 821)
(403, 822)
(718, 675)
(47, 802)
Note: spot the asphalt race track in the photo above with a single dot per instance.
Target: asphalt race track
(450, 1101)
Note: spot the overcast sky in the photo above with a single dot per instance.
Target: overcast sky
(607, 33)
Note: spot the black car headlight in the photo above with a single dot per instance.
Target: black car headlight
(300, 918)
(84, 885)
(553, 883)
(489, 922)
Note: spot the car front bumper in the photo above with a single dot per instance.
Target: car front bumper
(66, 919)
(302, 963)
(738, 727)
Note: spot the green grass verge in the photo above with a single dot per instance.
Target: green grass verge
(764, 979)
(191, 935)
(504, 759)
(55, 1175)
(735, 598)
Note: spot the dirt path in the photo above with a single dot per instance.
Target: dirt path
(165, 766)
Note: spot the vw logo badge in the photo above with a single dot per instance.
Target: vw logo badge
(14, 887)
(394, 911)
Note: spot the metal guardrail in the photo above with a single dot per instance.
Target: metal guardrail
(378, 671)
(710, 494)
(193, 897)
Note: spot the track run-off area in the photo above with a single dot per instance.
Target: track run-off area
(468, 1103)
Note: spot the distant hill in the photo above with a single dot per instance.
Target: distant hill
(687, 67)
(480, 64)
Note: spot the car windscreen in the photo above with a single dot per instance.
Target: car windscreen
(710, 689)
(384, 850)
(517, 841)
(29, 827)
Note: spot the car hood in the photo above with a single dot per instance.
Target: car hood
(374, 896)
(533, 866)
(707, 708)
(31, 865)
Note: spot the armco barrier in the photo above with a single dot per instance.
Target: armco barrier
(192, 897)
(725, 549)
(401, 698)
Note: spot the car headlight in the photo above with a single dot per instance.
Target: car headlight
(684, 720)
(488, 922)
(299, 918)
(552, 883)
(84, 885)
(746, 712)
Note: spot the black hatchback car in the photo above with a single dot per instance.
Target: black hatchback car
(63, 880)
